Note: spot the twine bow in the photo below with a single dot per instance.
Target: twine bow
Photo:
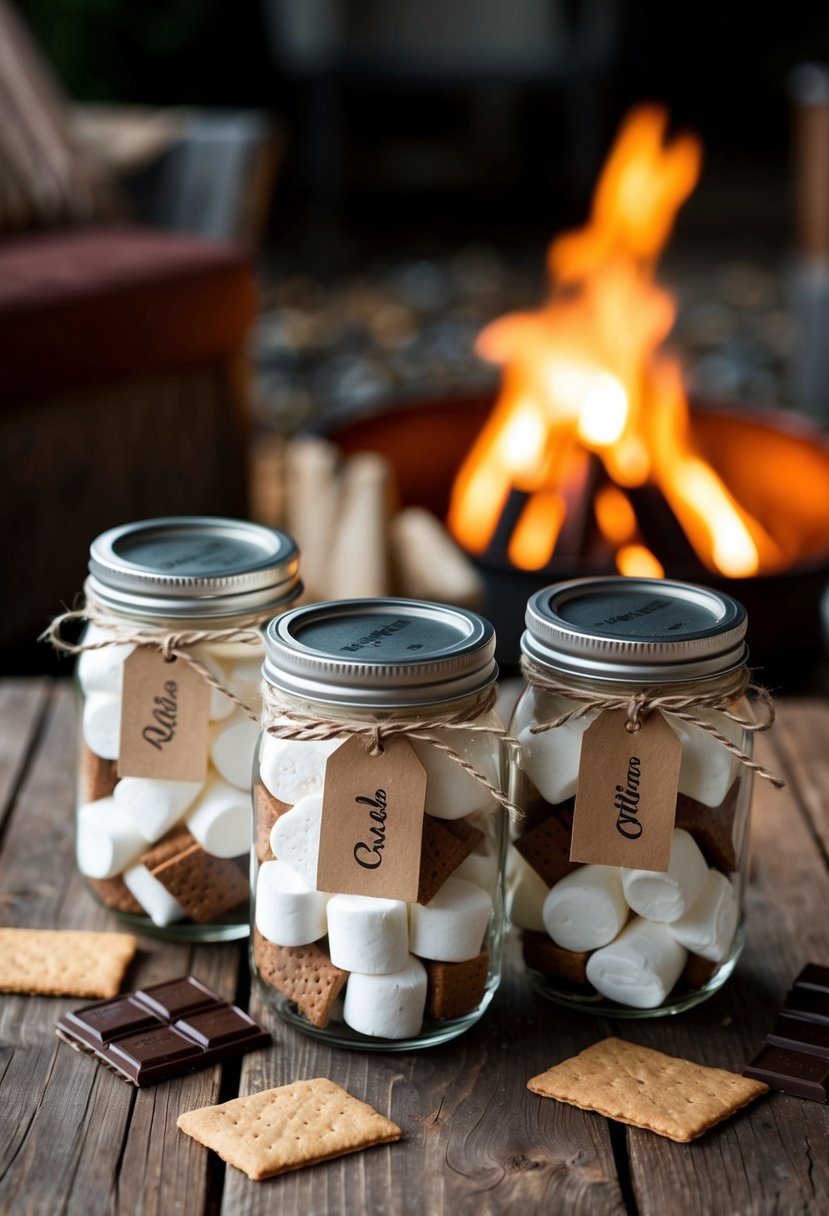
(638, 705)
(173, 644)
(285, 723)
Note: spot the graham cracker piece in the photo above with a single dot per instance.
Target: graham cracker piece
(64, 962)
(546, 847)
(304, 974)
(712, 827)
(542, 954)
(115, 893)
(697, 971)
(284, 1129)
(537, 808)
(645, 1088)
(173, 844)
(456, 988)
(204, 885)
(441, 852)
(97, 777)
(268, 809)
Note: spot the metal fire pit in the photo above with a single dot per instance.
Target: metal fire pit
(427, 442)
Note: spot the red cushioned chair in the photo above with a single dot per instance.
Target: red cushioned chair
(122, 366)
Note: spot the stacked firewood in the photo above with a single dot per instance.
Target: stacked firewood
(354, 538)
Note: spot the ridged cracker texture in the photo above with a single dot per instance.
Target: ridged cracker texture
(64, 962)
(286, 1128)
(646, 1088)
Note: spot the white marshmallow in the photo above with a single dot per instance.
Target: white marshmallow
(640, 967)
(102, 724)
(221, 706)
(451, 927)
(667, 896)
(585, 909)
(295, 838)
(232, 746)
(102, 670)
(244, 680)
(292, 768)
(451, 792)
(368, 935)
(551, 758)
(221, 819)
(708, 928)
(154, 806)
(288, 912)
(107, 839)
(154, 898)
(480, 869)
(707, 769)
(387, 1006)
(526, 898)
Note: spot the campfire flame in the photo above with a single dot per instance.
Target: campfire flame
(585, 381)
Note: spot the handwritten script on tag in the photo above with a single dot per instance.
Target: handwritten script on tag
(165, 708)
(626, 796)
(372, 821)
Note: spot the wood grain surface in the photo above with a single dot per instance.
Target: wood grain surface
(75, 1139)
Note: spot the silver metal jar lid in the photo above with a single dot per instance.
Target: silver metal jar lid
(635, 629)
(380, 653)
(193, 566)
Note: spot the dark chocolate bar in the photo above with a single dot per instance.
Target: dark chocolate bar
(814, 976)
(161, 1032)
(795, 1055)
(800, 1035)
(795, 1072)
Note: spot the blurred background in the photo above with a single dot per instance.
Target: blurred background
(373, 182)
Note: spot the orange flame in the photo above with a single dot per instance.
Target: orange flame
(582, 374)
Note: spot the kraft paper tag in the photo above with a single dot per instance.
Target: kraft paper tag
(165, 708)
(372, 821)
(626, 797)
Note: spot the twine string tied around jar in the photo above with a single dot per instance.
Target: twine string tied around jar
(683, 707)
(172, 643)
(284, 723)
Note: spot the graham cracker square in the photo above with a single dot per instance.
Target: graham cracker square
(64, 962)
(286, 1128)
(204, 885)
(645, 1088)
(268, 810)
(547, 846)
(712, 827)
(456, 988)
(115, 893)
(542, 954)
(444, 846)
(304, 974)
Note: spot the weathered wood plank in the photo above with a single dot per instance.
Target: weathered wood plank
(22, 705)
(760, 1162)
(73, 1137)
(475, 1140)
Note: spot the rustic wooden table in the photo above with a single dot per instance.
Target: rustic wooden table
(75, 1139)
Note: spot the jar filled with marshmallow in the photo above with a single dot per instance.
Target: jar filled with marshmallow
(380, 828)
(627, 874)
(169, 667)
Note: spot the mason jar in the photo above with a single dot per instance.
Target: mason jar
(380, 828)
(168, 675)
(628, 872)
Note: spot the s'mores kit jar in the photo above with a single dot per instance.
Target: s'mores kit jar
(634, 769)
(380, 828)
(169, 666)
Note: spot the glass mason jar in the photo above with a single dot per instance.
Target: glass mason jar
(378, 858)
(627, 876)
(165, 759)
